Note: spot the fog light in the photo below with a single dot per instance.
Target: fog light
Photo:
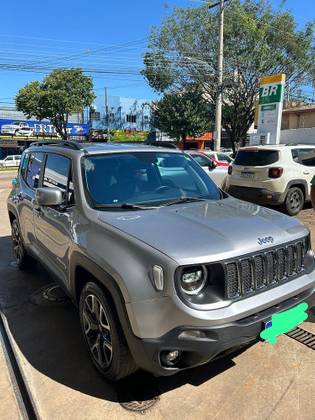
(170, 358)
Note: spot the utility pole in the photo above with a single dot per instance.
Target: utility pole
(218, 111)
(107, 115)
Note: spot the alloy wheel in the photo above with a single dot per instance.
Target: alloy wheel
(295, 201)
(97, 331)
(17, 242)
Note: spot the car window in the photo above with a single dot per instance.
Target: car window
(307, 157)
(34, 169)
(57, 175)
(295, 155)
(9, 158)
(203, 161)
(146, 178)
(224, 158)
(23, 165)
(256, 157)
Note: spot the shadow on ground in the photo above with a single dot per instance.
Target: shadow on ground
(50, 339)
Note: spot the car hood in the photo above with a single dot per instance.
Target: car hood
(207, 231)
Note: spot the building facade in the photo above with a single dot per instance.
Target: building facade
(123, 114)
(298, 117)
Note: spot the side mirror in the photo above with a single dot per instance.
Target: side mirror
(14, 182)
(212, 165)
(48, 197)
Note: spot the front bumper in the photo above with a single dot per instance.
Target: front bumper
(214, 341)
(260, 196)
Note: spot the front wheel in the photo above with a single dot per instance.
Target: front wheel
(23, 260)
(103, 334)
(294, 201)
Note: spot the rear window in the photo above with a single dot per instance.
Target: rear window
(256, 157)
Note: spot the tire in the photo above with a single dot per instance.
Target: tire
(23, 260)
(103, 334)
(294, 201)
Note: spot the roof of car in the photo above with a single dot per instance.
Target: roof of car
(97, 148)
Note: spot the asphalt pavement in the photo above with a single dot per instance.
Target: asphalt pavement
(261, 382)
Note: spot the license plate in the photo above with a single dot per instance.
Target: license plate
(247, 175)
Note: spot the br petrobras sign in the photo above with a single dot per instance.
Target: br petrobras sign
(270, 107)
(45, 127)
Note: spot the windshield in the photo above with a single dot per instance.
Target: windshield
(145, 178)
(256, 157)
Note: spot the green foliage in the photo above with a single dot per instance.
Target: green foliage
(62, 93)
(182, 114)
(121, 137)
(258, 41)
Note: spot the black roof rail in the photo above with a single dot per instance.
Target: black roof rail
(165, 144)
(70, 144)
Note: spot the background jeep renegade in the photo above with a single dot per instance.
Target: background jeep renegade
(166, 269)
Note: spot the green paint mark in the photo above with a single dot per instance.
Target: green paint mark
(285, 321)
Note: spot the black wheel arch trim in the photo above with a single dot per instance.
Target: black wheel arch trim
(108, 282)
(11, 209)
(297, 183)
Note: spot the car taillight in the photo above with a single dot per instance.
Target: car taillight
(275, 172)
(230, 170)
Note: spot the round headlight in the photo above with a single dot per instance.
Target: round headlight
(193, 280)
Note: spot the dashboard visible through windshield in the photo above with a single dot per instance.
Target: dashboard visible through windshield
(145, 179)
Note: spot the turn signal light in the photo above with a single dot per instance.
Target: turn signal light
(275, 172)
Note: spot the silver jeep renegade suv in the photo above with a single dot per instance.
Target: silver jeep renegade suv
(167, 270)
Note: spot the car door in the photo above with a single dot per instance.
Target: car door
(307, 160)
(53, 224)
(29, 178)
(9, 162)
(17, 160)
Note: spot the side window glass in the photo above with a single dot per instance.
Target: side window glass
(23, 167)
(57, 175)
(34, 169)
(307, 157)
(201, 160)
(295, 155)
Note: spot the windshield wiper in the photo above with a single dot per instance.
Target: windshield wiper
(127, 206)
(185, 200)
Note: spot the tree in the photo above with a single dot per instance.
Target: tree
(259, 41)
(62, 93)
(182, 114)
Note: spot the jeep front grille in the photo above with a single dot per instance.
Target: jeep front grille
(263, 270)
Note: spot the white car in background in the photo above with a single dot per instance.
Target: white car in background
(10, 161)
(13, 128)
(25, 132)
(217, 173)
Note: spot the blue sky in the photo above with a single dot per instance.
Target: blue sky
(96, 32)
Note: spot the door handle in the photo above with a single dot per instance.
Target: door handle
(306, 173)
